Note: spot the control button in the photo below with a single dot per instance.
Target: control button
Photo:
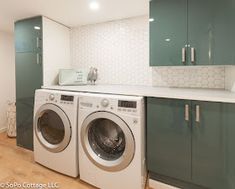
(52, 97)
(111, 108)
(135, 121)
(104, 103)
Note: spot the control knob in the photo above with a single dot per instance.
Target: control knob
(104, 103)
(51, 97)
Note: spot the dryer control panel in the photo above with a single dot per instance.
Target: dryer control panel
(59, 98)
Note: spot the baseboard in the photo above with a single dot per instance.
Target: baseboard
(2, 130)
(159, 185)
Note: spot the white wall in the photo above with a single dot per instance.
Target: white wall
(7, 74)
(56, 50)
(120, 51)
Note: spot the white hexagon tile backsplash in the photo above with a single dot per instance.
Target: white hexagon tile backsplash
(120, 51)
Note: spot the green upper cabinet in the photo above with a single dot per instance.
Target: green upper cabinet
(204, 27)
(211, 29)
(28, 35)
(168, 32)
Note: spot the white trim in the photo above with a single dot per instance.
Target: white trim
(159, 185)
(2, 130)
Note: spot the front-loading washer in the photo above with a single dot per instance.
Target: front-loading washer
(55, 130)
(112, 141)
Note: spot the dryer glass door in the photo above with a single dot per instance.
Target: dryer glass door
(52, 128)
(107, 141)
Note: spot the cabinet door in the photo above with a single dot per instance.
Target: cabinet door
(28, 35)
(229, 118)
(211, 31)
(28, 79)
(168, 32)
(208, 145)
(168, 138)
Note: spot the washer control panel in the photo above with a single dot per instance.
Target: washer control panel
(125, 106)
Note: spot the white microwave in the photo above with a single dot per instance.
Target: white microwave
(72, 77)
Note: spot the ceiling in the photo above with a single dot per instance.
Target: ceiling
(71, 13)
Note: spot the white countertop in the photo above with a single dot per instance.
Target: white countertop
(148, 91)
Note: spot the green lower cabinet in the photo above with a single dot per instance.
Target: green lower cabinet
(28, 79)
(209, 145)
(229, 119)
(168, 138)
(200, 151)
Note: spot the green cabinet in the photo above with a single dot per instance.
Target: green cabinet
(168, 138)
(208, 144)
(191, 141)
(29, 76)
(168, 32)
(28, 35)
(192, 32)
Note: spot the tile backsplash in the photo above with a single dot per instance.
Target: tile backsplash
(190, 77)
(120, 51)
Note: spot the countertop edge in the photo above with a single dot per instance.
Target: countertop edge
(185, 94)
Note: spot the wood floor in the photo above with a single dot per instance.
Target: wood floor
(17, 166)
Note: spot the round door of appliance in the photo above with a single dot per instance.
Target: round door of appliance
(107, 141)
(52, 128)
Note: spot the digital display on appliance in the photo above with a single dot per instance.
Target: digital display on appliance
(67, 98)
(127, 104)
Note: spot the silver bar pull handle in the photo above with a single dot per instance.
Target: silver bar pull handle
(184, 55)
(186, 112)
(197, 113)
(38, 58)
(193, 60)
(37, 42)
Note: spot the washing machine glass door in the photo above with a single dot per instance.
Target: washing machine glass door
(52, 128)
(107, 141)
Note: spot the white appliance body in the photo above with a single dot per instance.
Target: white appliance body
(125, 167)
(55, 130)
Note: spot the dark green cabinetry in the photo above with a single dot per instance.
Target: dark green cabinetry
(168, 32)
(192, 32)
(28, 47)
(28, 35)
(169, 138)
(211, 31)
(208, 145)
(192, 142)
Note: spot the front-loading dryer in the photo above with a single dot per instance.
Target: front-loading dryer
(112, 141)
(55, 130)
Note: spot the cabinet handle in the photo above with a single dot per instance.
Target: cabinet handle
(186, 112)
(193, 55)
(184, 55)
(38, 43)
(38, 58)
(197, 113)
